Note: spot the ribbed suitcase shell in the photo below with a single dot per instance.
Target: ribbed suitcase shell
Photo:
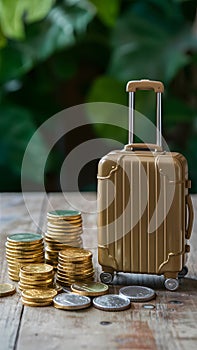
(140, 178)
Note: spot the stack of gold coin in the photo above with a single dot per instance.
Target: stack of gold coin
(64, 228)
(38, 297)
(36, 276)
(21, 249)
(74, 264)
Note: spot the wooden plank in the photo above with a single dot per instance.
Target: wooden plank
(14, 218)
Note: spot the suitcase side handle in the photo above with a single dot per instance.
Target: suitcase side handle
(158, 87)
(189, 205)
(144, 84)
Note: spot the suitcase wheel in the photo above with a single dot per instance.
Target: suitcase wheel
(106, 277)
(171, 284)
(183, 272)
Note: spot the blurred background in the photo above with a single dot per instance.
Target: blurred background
(58, 54)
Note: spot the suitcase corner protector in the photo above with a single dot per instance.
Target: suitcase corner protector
(106, 259)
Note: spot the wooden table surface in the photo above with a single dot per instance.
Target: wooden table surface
(172, 324)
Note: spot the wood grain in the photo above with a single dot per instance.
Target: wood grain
(171, 324)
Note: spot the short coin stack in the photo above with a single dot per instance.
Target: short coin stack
(33, 276)
(22, 249)
(74, 264)
(38, 297)
(64, 228)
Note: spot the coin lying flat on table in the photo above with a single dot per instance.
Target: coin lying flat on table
(7, 289)
(89, 288)
(111, 302)
(71, 301)
(137, 293)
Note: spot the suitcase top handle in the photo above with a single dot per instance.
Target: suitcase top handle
(145, 84)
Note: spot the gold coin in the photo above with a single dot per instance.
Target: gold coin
(24, 238)
(69, 283)
(50, 256)
(26, 248)
(23, 286)
(47, 300)
(13, 278)
(39, 294)
(56, 235)
(52, 263)
(77, 264)
(37, 268)
(73, 278)
(75, 253)
(75, 271)
(26, 261)
(36, 304)
(64, 214)
(70, 231)
(24, 256)
(64, 225)
(89, 288)
(36, 276)
(62, 238)
(7, 289)
(13, 273)
(57, 287)
(36, 283)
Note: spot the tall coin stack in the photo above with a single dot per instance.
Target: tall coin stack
(36, 276)
(64, 228)
(22, 249)
(74, 264)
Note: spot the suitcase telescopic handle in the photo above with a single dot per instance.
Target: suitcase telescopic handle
(145, 84)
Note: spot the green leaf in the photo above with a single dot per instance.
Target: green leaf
(2, 39)
(59, 30)
(13, 13)
(176, 111)
(151, 44)
(16, 129)
(15, 60)
(107, 89)
(107, 11)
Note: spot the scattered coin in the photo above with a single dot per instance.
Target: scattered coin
(89, 288)
(71, 301)
(137, 293)
(111, 302)
(7, 289)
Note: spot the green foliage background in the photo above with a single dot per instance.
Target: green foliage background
(55, 54)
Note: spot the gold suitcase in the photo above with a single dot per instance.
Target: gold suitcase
(145, 213)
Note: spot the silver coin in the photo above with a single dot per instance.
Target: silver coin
(111, 302)
(71, 301)
(137, 293)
